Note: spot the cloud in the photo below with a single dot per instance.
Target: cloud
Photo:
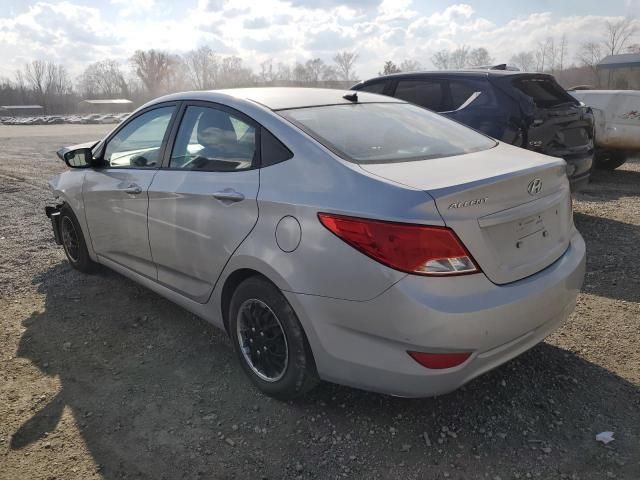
(283, 30)
(256, 23)
(355, 4)
(133, 7)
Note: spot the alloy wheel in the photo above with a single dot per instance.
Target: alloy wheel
(262, 340)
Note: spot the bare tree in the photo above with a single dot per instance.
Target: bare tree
(154, 68)
(562, 52)
(617, 34)
(233, 73)
(479, 57)
(410, 66)
(283, 73)
(267, 74)
(21, 86)
(344, 63)
(525, 61)
(49, 83)
(589, 55)
(300, 73)
(441, 59)
(315, 68)
(540, 55)
(35, 74)
(460, 57)
(103, 79)
(202, 67)
(389, 67)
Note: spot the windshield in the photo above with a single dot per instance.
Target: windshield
(386, 132)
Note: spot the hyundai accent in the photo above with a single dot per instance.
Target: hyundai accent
(334, 235)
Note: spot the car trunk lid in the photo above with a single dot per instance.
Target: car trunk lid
(511, 208)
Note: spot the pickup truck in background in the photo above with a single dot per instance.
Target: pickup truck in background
(617, 124)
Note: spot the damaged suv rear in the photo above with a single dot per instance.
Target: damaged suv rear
(529, 110)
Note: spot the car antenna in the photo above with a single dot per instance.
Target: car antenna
(352, 97)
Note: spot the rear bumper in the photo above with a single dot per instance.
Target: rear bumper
(579, 170)
(364, 344)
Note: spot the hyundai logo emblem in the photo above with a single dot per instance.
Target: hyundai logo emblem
(534, 186)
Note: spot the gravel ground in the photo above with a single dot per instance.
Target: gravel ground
(101, 378)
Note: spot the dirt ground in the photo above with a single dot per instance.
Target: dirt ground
(101, 378)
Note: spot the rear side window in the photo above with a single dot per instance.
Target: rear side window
(386, 132)
(427, 94)
(462, 92)
(272, 150)
(544, 92)
(377, 87)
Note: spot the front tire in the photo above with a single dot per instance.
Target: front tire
(73, 242)
(610, 160)
(269, 341)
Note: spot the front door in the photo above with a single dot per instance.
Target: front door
(205, 203)
(115, 195)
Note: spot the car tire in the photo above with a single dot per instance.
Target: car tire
(269, 340)
(73, 242)
(610, 160)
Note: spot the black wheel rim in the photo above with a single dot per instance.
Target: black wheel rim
(70, 240)
(262, 340)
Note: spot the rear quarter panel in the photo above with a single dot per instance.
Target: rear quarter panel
(316, 181)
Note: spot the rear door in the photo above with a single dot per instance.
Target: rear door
(204, 203)
(474, 103)
(115, 195)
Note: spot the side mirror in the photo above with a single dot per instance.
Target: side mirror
(76, 158)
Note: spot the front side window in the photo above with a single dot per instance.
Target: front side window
(210, 139)
(138, 143)
(427, 94)
(377, 87)
(386, 132)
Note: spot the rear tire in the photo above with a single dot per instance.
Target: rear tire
(269, 341)
(73, 242)
(610, 160)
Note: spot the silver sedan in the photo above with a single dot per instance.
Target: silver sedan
(334, 235)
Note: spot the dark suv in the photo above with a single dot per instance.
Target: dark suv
(529, 110)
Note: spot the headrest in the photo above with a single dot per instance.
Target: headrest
(215, 127)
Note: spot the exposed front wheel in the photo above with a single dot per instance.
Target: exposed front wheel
(269, 340)
(610, 160)
(73, 241)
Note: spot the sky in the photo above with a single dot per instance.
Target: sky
(79, 32)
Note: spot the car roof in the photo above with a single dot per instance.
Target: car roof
(281, 98)
(453, 73)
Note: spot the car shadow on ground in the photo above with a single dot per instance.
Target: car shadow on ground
(621, 182)
(157, 393)
(609, 271)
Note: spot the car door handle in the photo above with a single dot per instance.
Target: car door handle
(133, 189)
(229, 195)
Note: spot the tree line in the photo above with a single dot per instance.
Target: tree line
(150, 73)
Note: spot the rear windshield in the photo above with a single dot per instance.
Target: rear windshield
(386, 132)
(544, 92)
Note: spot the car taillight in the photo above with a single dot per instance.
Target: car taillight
(410, 248)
